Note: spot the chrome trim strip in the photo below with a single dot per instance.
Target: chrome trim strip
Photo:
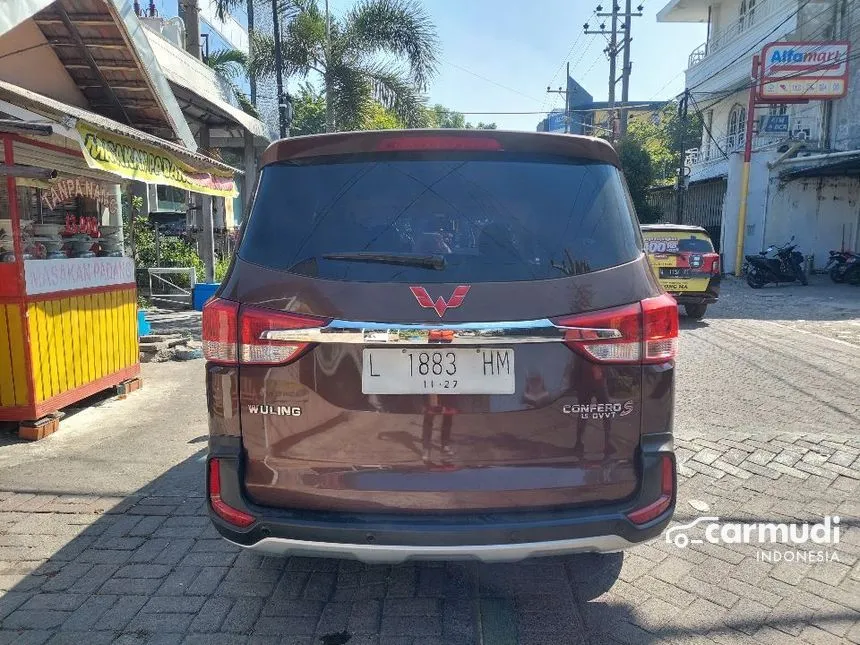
(397, 553)
(487, 333)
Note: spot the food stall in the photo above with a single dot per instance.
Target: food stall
(68, 300)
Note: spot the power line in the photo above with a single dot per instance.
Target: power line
(489, 80)
(718, 97)
(760, 41)
(707, 127)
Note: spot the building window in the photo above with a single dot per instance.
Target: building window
(777, 110)
(746, 14)
(737, 126)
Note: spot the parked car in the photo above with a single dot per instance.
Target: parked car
(440, 344)
(686, 264)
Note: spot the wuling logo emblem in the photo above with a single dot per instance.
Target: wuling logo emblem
(441, 305)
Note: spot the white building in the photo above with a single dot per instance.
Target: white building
(802, 180)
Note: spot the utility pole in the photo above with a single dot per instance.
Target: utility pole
(566, 92)
(612, 50)
(279, 70)
(252, 81)
(626, 66)
(682, 161)
(190, 14)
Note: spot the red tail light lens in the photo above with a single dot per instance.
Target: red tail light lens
(660, 328)
(397, 144)
(226, 512)
(220, 335)
(232, 336)
(715, 264)
(257, 349)
(607, 336)
(667, 492)
(645, 332)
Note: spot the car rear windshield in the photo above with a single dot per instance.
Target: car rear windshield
(672, 240)
(477, 219)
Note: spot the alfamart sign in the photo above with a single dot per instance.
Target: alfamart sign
(136, 160)
(804, 70)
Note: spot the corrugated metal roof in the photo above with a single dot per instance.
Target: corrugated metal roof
(103, 48)
(56, 110)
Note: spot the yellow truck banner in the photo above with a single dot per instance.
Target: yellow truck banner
(139, 161)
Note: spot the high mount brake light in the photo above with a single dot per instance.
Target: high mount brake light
(232, 335)
(648, 332)
(396, 144)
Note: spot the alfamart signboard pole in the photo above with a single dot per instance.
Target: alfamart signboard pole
(789, 72)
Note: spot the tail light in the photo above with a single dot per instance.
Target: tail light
(232, 335)
(667, 492)
(256, 349)
(644, 332)
(223, 510)
(715, 262)
(220, 336)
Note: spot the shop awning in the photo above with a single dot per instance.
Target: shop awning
(121, 150)
(846, 166)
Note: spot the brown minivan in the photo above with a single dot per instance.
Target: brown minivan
(440, 345)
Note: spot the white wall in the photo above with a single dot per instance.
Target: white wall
(818, 211)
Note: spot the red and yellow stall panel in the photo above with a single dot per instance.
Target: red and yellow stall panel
(58, 347)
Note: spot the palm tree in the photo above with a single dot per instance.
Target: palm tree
(381, 50)
(231, 64)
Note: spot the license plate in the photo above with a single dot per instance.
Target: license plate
(438, 371)
(667, 272)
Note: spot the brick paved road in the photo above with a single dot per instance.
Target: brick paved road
(103, 536)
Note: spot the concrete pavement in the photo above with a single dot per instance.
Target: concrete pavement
(103, 534)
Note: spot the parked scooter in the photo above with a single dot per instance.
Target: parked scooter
(775, 264)
(851, 273)
(839, 263)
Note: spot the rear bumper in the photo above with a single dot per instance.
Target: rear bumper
(706, 297)
(491, 537)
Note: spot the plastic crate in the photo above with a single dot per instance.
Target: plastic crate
(202, 292)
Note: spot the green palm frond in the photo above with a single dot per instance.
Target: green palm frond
(228, 63)
(401, 28)
(396, 92)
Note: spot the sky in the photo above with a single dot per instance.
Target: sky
(500, 55)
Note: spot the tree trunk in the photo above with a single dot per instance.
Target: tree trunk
(330, 124)
(189, 11)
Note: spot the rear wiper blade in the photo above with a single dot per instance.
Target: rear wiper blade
(436, 262)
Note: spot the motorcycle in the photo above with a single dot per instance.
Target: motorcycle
(775, 264)
(851, 273)
(839, 263)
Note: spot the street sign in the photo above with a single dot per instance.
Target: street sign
(775, 123)
(804, 70)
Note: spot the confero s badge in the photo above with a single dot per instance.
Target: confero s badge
(440, 345)
(686, 264)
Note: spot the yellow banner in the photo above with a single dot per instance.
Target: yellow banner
(142, 162)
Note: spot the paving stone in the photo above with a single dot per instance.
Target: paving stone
(211, 616)
(243, 615)
(119, 615)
